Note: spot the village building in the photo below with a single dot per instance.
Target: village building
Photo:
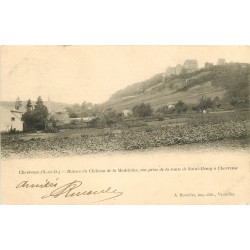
(170, 71)
(127, 112)
(170, 106)
(221, 61)
(191, 65)
(178, 69)
(208, 65)
(88, 118)
(84, 121)
(10, 119)
(174, 70)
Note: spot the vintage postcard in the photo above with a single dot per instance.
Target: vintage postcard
(125, 124)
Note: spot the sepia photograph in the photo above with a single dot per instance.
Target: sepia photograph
(124, 125)
(76, 100)
(178, 108)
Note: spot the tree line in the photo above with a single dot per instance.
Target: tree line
(37, 116)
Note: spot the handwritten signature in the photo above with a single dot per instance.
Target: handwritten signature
(71, 190)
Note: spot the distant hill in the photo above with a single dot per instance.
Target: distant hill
(53, 105)
(231, 79)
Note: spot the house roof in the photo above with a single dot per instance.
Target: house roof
(12, 109)
(60, 116)
(88, 118)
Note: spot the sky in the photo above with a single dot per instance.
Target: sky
(74, 74)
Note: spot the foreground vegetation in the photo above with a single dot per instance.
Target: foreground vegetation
(93, 141)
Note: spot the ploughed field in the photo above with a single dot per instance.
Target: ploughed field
(87, 141)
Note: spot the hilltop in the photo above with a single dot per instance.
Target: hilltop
(225, 81)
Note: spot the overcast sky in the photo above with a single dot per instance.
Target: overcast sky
(73, 74)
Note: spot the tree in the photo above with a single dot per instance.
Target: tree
(72, 113)
(163, 110)
(18, 103)
(29, 120)
(28, 105)
(76, 109)
(217, 102)
(181, 107)
(86, 109)
(238, 97)
(142, 110)
(37, 118)
(28, 117)
(112, 117)
(40, 114)
(205, 103)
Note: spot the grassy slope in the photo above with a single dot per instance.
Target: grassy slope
(163, 93)
(189, 88)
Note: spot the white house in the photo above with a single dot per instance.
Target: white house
(10, 119)
(83, 119)
(127, 112)
(171, 106)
